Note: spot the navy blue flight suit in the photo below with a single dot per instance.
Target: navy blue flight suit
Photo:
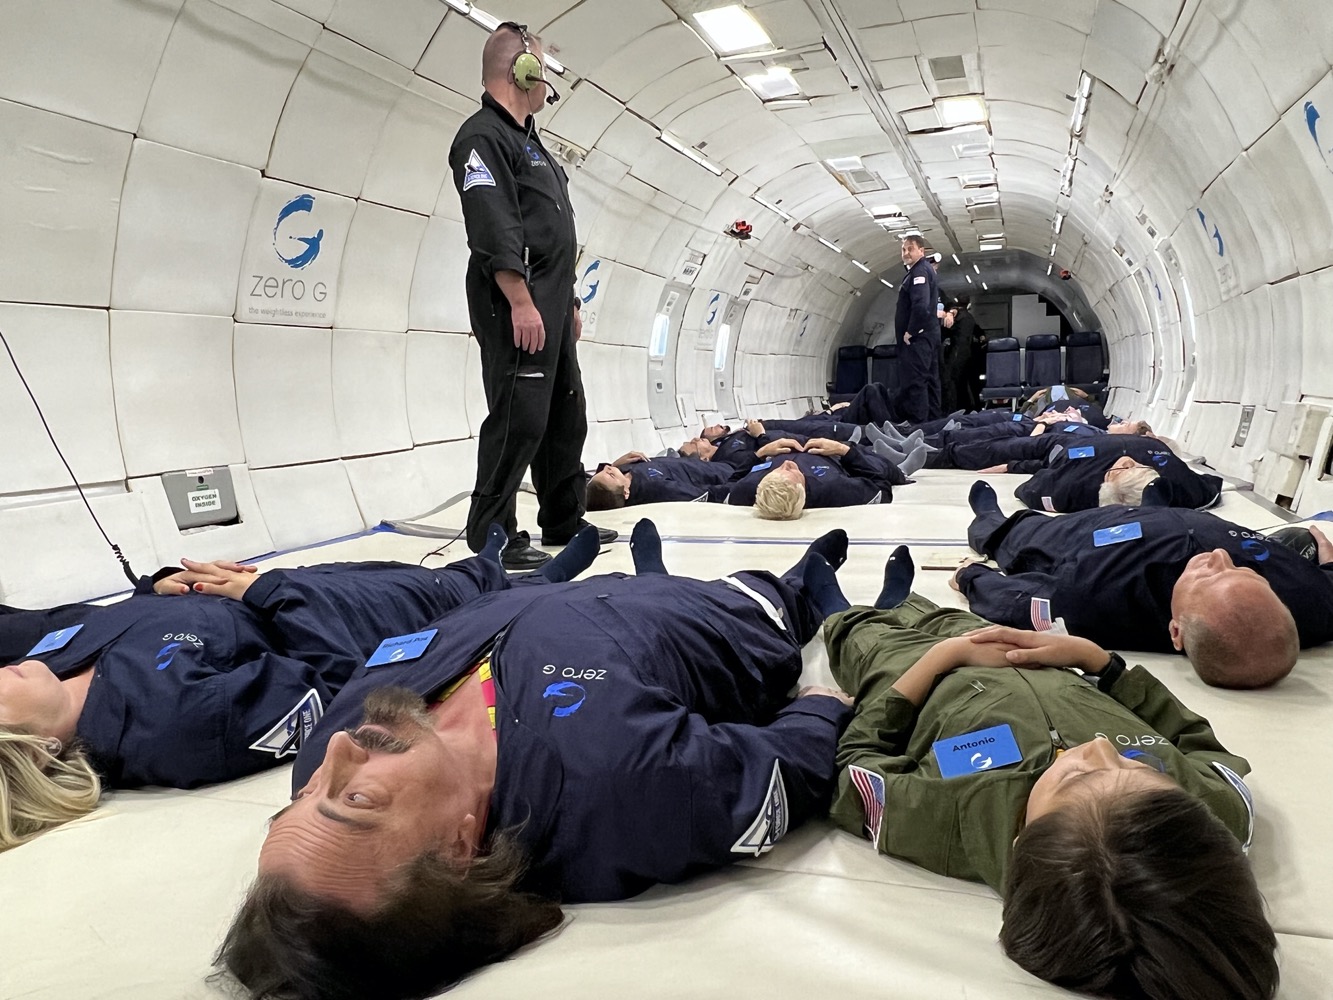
(664, 480)
(737, 449)
(1071, 479)
(643, 723)
(859, 477)
(1119, 595)
(825, 425)
(516, 208)
(918, 332)
(195, 689)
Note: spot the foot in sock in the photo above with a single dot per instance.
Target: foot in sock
(830, 546)
(876, 435)
(982, 499)
(645, 547)
(891, 431)
(914, 461)
(898, 574)
(821, 586)
(856, 436)
(886, 450)
(575, 557)
(496, 540)
(952, 425)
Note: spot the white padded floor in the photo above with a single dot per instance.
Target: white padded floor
(131, 902)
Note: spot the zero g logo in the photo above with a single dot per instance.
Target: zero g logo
(574, 673)
(1217, 233)
(712, 308)
(979, 762)
(179, 637)
(166, 654)
(301, 204)
(567, 696)
(1325, 145)
(1255, 549)
(590, 287)
(1160, 461)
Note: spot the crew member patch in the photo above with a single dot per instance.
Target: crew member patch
(771, 823)
(292, 729)
(919, 280)
(1235, 781)
(871, 788)
(877, 498)
(478, 174)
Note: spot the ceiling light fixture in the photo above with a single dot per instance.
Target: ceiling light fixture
(991, 246)
(1053, 246)
(774, 83)
(956, 260)
(886, 284)
(751, 56)
(1059, 222)
(842, 164)
(554, 65)
(969, 278)
(976, 268)
(834, 247)
(772, 208)
(967, 110)
(732, 29)
(462, 6)
(1049, 269)
(784, 103)
(488, 21)
(884, 211)
(985, 287)
(693, 154)
(860, 265)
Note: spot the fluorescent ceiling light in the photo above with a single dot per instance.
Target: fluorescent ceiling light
(985, 178)
(1084, 85)
(991, 246)
(969, 110)
(462, 6)
(554, 65)
(1059, 223)
(860, 265)
(886, 284)
(782, 104)
(693, 154)
(884, 211)
(992, 236)
(773, 83)
(1053, 246)
(751, 56)
(976, 268)
(488, 21)
(969, 278)
(956, 260)
(732, 29)
(1049, 269)
(831, 246)
(912, 232)
(985, 287)
(772, 208)
(844, 163)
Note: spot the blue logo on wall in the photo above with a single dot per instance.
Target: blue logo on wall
(805, 325)
(301, 204)
(1254, 549)
(568, 697)
(166, 654)
(591, 293)
(712, 308)
(1217, 234)
(1312, 117)
(1156, 287)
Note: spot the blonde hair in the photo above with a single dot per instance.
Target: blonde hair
(1126, 487)
(42, 784)
(779, 499)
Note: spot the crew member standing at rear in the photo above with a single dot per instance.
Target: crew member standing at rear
(520, 295)
(918, 330)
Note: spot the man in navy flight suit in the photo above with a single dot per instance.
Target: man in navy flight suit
(1153, 578)
(817, 472)
(918, 332)
(633, 730)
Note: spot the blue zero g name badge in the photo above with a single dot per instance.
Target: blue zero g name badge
(1016, 417)
(984, 750)
(1116, 535)
(58, 639)
(761, 468)
(1081, 453)
(400, 648)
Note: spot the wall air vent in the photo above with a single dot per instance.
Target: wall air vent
(948, 68)
(984, 212)
(967, 150)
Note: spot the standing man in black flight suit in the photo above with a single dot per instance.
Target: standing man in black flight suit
(520, 296)
(918, 330)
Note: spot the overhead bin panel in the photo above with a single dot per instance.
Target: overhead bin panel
(1121, 48)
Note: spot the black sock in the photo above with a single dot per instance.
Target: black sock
(982, 499)
(575, 557)
(496, 540)
(645, 546)
(898, 574)
(821, 586)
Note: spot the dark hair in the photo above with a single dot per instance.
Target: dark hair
(439, 923)
(1144, 896)
(603, 496)
(916, 241)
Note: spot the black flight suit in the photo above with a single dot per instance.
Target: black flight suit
(1074, 476)
(666, 480)
(1118, 593)
(859, 477)
(919, 356)
(516, 208)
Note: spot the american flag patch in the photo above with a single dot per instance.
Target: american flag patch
(1041, 614)
(871, 787)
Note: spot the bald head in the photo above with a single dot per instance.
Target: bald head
(499, 53)
(1244, 638)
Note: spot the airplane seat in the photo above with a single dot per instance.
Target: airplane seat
(884, 365)
(1004, 371)
(1085, 365)
(850, 376)
(1042, 360)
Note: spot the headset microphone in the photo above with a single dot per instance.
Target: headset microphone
(552, 97)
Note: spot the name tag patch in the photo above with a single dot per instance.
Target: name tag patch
(1116, 535)
(1084, 452)
(400, 648)
(984, 750)
(58, 639)
(762, 467)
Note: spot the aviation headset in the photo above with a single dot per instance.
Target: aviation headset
(527, 70)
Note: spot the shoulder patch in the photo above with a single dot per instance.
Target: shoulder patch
(701, 498)
(877, 498)
(771, 823)
(919, 280)
(871, 788)
(1235, 781)
(478, 174)
(286, 737)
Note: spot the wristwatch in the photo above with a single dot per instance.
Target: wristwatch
(1110, 673)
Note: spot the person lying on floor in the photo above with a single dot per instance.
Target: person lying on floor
(185, 691)
(719, 443)
(636, 479)
(1062, 397)
(814, 473)
(1238, 604)
(1114, 469)
(1106, 814)
(551, 745)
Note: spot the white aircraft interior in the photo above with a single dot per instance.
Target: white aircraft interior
(231, 248)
